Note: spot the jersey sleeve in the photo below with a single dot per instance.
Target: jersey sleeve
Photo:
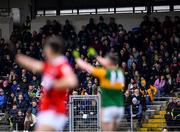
(99, 72)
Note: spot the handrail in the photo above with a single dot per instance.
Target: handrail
(163, 97)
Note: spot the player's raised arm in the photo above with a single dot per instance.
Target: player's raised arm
(82, 64)
(102, 61)
(29, 63)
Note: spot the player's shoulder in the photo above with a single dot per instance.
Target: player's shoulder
(100, 68)
(60, 60)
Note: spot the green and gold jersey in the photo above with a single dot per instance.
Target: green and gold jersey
(112, 84)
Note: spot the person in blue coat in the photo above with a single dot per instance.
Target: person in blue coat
(2, 100)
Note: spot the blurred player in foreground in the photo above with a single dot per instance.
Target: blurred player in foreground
(57, 78)
(112, 83)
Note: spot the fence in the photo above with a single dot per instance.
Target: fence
(84, 113)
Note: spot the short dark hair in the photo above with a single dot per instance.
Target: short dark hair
(56, 43)
(113, 57)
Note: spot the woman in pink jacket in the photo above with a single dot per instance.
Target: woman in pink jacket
(159, 84)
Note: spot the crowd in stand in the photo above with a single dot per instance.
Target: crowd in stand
(149, 56)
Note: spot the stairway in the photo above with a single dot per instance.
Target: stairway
(4, 122)
(156, 117)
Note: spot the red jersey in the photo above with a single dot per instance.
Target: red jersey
(53, 98)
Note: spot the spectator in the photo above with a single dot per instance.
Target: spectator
(35, 82)
(113, 40)
(137, 110)
(21, 103)
(12, 76)
(91, 26)
(178, 79)
(27, 24)
(2, 100)
(152, 91)
(175, 113)
(169, 84)
(159, 84)
(146, 24)
(34, 107)
(148, 92)
(46, 27)
(112, 25)
(95, 87)
(130, 61)
(6, 87)
(10, 101)
(128, 102)
(20, 121)
(67, 29)
(56, 27)
(169, 109)
(13, 112)
(29, 121)
(14, 86)
(13, 115)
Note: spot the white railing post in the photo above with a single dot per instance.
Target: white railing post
(131, 114)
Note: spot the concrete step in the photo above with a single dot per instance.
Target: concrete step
(162, 112)
(162, 98)
(160, 102)
(142, 129)
(156, 121)
(155, 107)
(157, 117)
(153, 125)
(155, 129)
(149, 129)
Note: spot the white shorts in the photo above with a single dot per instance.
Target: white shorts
(52, 119)
(112, 114)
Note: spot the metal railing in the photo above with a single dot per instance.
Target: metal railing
(84, 113)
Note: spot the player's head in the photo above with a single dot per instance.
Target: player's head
(53, 46)
(112, 60)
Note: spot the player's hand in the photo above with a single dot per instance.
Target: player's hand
(76, 54)
(92, 52)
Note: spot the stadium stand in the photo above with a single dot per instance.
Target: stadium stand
(149, 56)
